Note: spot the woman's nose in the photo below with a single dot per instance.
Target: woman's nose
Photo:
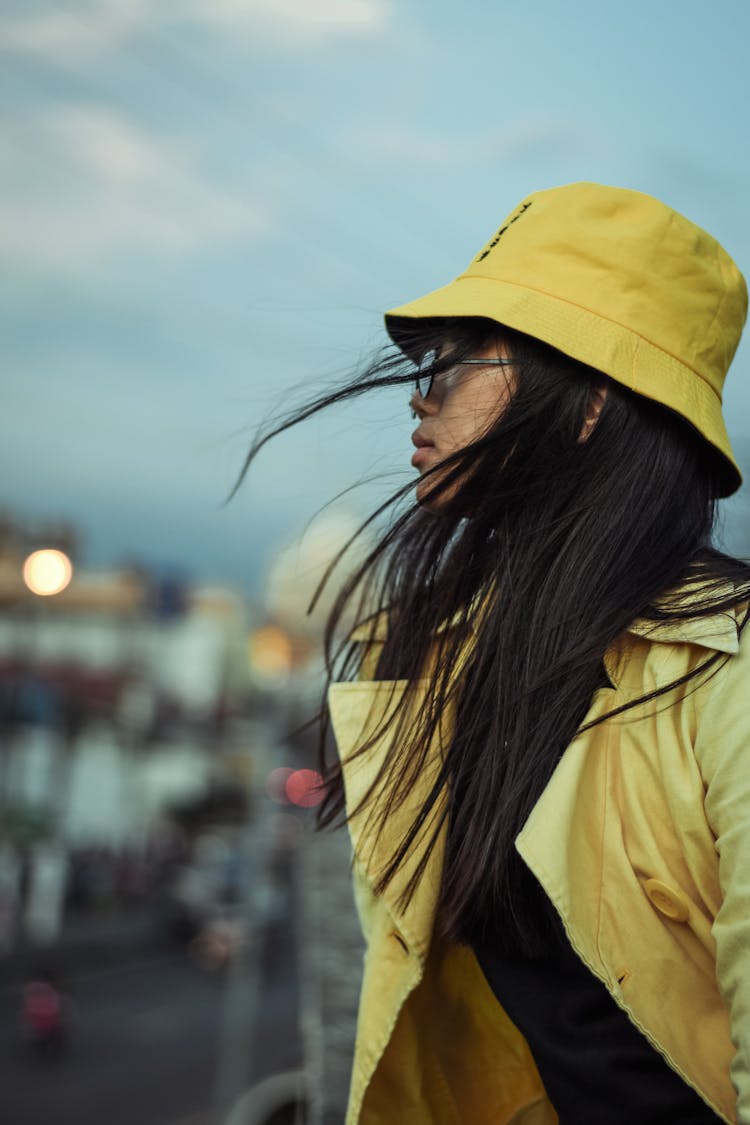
(423, 406)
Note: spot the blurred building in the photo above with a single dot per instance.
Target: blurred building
(122, 695)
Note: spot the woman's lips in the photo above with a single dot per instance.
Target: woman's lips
(424, 448)
(422, 454)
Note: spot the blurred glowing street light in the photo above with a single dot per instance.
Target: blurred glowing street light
(270, 651)
(47, 571)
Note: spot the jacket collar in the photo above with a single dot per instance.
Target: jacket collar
(717, 631)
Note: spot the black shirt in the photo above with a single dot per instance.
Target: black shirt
(596, 1066)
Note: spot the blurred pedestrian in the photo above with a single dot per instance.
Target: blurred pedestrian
(45, 1013)
(544, 756)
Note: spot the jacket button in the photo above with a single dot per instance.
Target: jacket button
(401, 940)
(669, 902)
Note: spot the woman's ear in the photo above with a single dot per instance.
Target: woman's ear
(597, 398)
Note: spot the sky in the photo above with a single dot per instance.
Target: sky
(207, 205)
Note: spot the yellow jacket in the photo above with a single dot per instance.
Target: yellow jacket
(641, 839)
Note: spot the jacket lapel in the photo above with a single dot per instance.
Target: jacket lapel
(357, 712)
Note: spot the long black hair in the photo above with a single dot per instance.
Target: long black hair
(539, 549)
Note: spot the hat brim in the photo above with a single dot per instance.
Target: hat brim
(612, 348)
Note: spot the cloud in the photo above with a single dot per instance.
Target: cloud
(313, 20)
(76, 31)
(82, 183)
(90, 27)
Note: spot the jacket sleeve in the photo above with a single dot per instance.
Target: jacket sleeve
(723, 753)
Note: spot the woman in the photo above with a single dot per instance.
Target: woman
(544, 758)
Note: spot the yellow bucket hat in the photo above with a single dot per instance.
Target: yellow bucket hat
(618, 281)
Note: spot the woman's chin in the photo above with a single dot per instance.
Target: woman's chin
(431, 496)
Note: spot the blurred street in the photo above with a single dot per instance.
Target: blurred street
(142, 1048)
(147, 1027)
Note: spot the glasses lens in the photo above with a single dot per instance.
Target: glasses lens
(425, 373)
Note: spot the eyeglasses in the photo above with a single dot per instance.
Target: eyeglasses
(426, 375)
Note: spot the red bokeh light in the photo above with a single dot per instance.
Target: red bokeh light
(304, 788)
